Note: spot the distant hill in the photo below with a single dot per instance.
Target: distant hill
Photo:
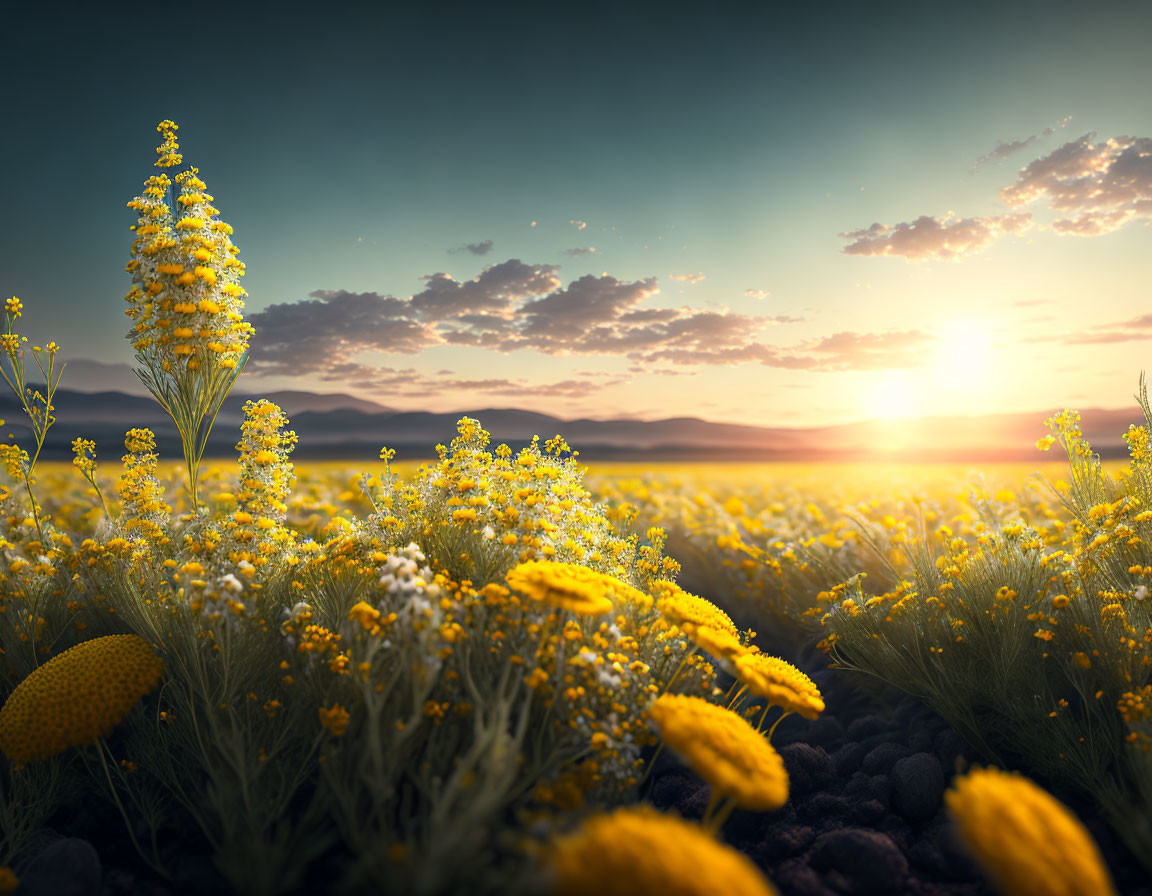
(342, 426)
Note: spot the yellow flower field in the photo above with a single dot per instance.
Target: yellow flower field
(464, 675)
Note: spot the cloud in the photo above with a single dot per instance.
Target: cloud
(1003, 149)
(481, 248)
(313, 336)
(756, 293)
(513, 306)
(580, 251)
(496, 289)
(1095, 188)
(1134, 329)
(928, 237)
(687, 278)
(580, 225)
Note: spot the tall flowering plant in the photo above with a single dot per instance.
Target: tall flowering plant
(186, 301)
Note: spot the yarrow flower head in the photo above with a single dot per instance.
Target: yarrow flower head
(1026, 841)
(723, 749)
(638, 850)
(77, 697)
(780, 683)
(679, 607)
(566, 585)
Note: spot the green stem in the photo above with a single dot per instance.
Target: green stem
(774, 724)
(101, 746)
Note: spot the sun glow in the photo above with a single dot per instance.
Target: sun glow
(965, 351)
(893, 397)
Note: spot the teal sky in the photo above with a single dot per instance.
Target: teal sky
(357, 148)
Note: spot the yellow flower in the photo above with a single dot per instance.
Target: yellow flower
(77, 697)
(678, 607)
(8, 880)
(565, 585)
(1026, 841)
(780, 683)
(14, 306)
(718, 643)
(364, 613)
(335, 719)
(724, 750)
(637, 850)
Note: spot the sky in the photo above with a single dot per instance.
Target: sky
(775, 214)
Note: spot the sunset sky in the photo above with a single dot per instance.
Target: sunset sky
(764, 213)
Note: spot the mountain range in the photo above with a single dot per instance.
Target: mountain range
(339, 426)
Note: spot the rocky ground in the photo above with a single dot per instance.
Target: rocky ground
(865, 813)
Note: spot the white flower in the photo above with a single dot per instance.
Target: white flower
(1141, 592)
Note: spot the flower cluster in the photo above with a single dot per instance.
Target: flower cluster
(481, 512)
(145, 516)
(186, 301)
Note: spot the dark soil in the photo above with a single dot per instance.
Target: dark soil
(865, 813)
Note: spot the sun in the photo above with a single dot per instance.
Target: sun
(893, 397)
(965, 351)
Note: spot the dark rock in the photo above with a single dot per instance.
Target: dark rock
(744, 828)
(917, 786)
(68, 867)
(880, 760)
(824, 731)
(807, 767)
(947, 746)
(867, 726)
(795, 878)
(673, 790)
(909, 709)
(956, 862)
(921, 740)
(848, 758)
(864, 787)
(868, 812)
(897, 828)
(782, 841)
(871, 862)
(824, 806)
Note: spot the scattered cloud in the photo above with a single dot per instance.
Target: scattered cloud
(1095, 188)
(580, 225)
(481, 248)
(1134, 329)
(1003, 148)
(927, 237)
(687, 278)
(513, 306)
(589, 250)
(756, 293)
